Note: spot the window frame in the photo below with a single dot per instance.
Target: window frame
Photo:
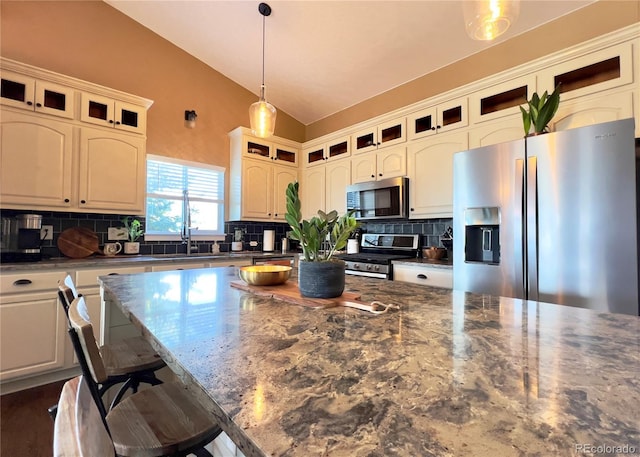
(195, 236)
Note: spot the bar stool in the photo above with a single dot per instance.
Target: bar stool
(158, 421)
(131, 361)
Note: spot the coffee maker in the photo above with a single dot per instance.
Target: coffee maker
(20, 240)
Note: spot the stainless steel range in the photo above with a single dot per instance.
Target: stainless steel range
(377, 251)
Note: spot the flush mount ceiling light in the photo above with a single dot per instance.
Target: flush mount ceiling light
(487, 19)
(262, 114)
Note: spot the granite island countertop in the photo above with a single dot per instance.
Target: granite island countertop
(450, 374)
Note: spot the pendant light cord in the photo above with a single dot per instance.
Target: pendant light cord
(263, 26)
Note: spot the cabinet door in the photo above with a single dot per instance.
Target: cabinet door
(392, 132)
(36, 156)
(421, 274)
(338, 177)
(255, 149)
(129, 117)
(430, 171)
(314, 155)
(97, 110)
(363, 168)
(391, 163)
(32, 335)
(112, 171)
(593, 110)
(312, 191)
(285, 155)
(452, 115)
(365, 140)
(339, 148)
(282, 176)
(35, 95)
(422, 123)
(257, 190)
(494, 132)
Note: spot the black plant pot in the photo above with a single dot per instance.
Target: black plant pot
(321, 279)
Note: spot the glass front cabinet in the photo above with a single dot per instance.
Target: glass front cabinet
(107, 112)
(255, 148)
(32, 94)
(380, 136)
(438, 119)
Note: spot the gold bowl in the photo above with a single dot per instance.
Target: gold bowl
(265, 275)
(433, 253)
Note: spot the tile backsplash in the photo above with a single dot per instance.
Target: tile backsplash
(430, 229)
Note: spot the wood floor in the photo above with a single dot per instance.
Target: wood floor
(26, 429)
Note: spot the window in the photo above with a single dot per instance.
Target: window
(167, 181)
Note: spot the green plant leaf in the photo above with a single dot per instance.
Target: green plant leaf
(526, 120)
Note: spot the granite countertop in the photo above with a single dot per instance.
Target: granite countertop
(450, 374)
(132, 260)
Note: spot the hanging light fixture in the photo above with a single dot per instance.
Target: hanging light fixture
(262, 114)
(487, 19)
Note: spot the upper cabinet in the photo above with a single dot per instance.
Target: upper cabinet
(262, 149)
(333, 149)
(113, 113)
(502, 100)
(438, 119)
(388, 163)
(379, 136)
(32, 94)
(73, 164)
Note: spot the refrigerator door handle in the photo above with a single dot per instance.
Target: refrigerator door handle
(519, 228)
(532, 228)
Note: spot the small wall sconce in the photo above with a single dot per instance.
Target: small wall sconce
(190, 119)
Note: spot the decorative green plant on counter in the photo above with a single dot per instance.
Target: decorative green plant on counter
(541, 111)
(324, 227)
(133, 228)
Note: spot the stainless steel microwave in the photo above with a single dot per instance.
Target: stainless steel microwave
(384, 199)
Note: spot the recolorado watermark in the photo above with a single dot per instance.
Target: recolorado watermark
(595, 449)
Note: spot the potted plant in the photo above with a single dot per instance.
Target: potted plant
(541, 111)
(134, 231)
(320, 274)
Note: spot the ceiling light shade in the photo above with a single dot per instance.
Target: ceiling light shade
(262, 114)
(487, 19)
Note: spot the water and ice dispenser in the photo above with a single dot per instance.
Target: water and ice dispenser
(482, 235)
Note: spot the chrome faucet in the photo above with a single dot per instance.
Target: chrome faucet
(186, 223)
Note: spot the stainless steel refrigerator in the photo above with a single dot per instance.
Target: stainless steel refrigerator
(550, 218)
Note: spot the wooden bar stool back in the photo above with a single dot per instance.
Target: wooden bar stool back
(163, 420)
(131, 361)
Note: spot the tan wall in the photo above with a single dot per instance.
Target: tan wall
(587, 23)
(92, 41)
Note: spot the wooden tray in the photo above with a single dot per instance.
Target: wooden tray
(78, 242)
(289, 292)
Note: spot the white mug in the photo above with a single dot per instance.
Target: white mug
(112, 248)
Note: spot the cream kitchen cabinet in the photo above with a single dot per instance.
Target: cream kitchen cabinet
(33, 326)
(112, 172)
(498, 131)
(333, 149)
(594, 109)
(440, 118)
(31, 94)
(325, 188)
(501, 100)
(379, 136)
(388, 163)
(262, 193)
(108, 112)
(420, 273)
(430, 172)
(31, 178)
(282, 151)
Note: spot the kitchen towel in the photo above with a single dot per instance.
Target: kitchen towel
(267, 240)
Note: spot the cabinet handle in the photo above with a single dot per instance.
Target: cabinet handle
(117, 122)
(379, 174)
(22, 282)
(438, 126)
(66, 200)
(373, 176)
(421, 276)
(39, 105)
(411, 209)
(83, 201)
(110, 121)
(276, 214)
(29, 103)
(433, 128)
(378, 144)
(113, 274)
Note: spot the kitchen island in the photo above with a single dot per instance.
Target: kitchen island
(449, 374)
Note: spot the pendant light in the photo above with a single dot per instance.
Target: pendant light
(262, 114)
(487, 19)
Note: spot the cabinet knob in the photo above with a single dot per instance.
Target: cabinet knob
(117, 122)
(433, 128)
(411, 209)
(22, 282)
(29, 103)
(39, 105)
(379, 174)
(276, 214)
(378, 144)
(66, 200)
(438, 126)
(373, 176)
(83, 201)
(110, 121)
(421, 276)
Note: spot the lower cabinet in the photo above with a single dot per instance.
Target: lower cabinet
(33, 337)
(427, 275)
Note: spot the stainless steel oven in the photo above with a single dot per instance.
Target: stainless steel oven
(378, 251)
(384, 199)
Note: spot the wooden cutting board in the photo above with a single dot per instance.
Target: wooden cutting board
(78, 242)
(290, 292)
